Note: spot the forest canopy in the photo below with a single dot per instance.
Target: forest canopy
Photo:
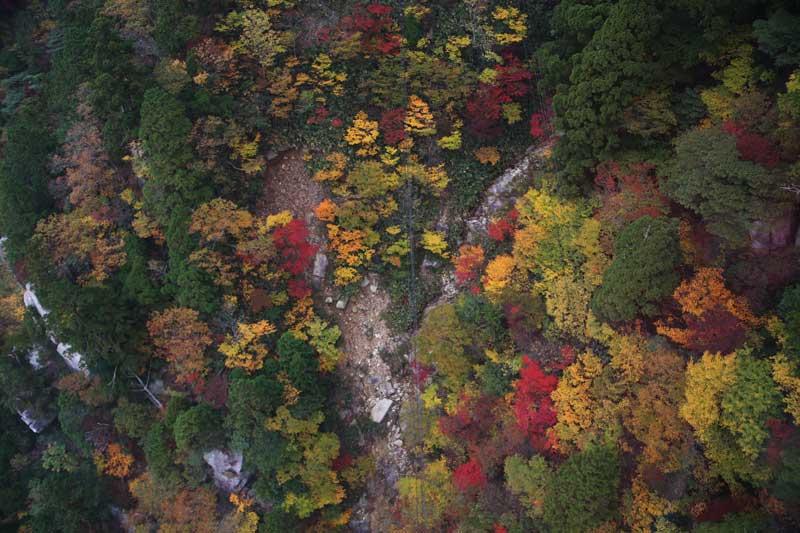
(471, 265)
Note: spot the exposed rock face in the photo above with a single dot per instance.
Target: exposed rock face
(773, 234)
(379, 410)
(320, 266)
(227, 467)
(36, 423)
(31, 300)
(34, 359)
(123, 519)
(503, 191)
(73, 359)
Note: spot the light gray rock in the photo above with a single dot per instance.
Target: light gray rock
(157, 386)
(430, 263)
(227, 468)
(34, 358)
(31, 300)
(500, 195)
(380, 409)
(320, 267)
(35, 423)
(73, 359)
(342, 303)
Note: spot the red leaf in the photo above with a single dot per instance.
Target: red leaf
(469, 476)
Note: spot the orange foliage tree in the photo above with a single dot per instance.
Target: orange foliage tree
(713, 318)
(117, 462)
(81, 246)
(467, 263)
(88, 178)
(181, 338)
(190, 510)
(653, 376)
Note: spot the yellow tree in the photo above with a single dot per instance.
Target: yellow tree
(654, 378)
(434, 242)
(498, 275)
(786, 374)
(706, 380)
(442, 342)
(419, 119)
(729, 400)
(364, 134)
(83, 243)
(219, 220)
(311, 454)
(257, 36)
(244, 349)
(513, 24)
(433, 486)
(586, 403)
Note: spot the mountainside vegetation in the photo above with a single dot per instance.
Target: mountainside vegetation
(579, 217)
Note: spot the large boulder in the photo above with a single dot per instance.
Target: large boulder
(35, 422)
(320, 266)
(227, 468)
(380, 409)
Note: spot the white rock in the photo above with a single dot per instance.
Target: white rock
(31, 300)
(73, 359)
(320, 266)
(34, 359)
(227, 467)
(328, 300)
(380, 409)
(342, 303)
(373, 288)
(35, 424)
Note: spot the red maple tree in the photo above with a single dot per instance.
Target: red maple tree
(469, 476)
(532, 405)
(753, 146)
(292, 243)
(374, 22)
(503, 228)
(392, 125)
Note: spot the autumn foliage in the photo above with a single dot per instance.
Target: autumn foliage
(293, 247)
(468, 263)
(181, 338)
(753, 146)
(533, 407)
(377, 28)
(469, 476)
(712, 317)
(392, 125)
(502, 228)
(117, 462)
